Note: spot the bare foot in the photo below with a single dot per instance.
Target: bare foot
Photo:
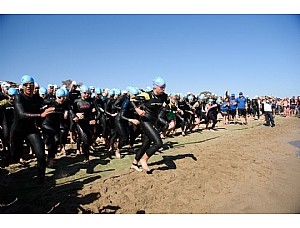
(145, 165)
(118, 155)
(136, 167)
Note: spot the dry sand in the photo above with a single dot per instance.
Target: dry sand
(238, 169)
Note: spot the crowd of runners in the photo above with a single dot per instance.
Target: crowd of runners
(46, 119)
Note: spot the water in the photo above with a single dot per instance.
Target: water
(296, 144)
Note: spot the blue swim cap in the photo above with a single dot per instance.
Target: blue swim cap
(13, 91)
(43, 90)
(111, 92)
(60, 93)
(158, 81)
(190, 97)
(134, 91)
(219, 101)
(84, 89)
(66, 91)
(233, 95)
(98, 90)
(128, 88)
(26, 79)
(117, 92)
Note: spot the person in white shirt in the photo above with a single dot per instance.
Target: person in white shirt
(268, 112)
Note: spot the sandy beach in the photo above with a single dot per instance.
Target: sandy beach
(235, 170)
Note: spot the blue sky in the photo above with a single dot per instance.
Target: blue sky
(256, 54)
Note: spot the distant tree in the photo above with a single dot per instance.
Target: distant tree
(67, 82)
(206, 93)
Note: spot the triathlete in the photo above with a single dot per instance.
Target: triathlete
(82, 115)
(27, 111)
(52, 123)
(152, 103)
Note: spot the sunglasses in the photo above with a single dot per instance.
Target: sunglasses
(28, 84)
(60, 97)
(162, 87)
(86, 93)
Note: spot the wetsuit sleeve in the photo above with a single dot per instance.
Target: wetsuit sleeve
(167, 100)
(123, 110)
(119, 102)
(98, 115)
(19, 109)
(106, 106)
(73, 109)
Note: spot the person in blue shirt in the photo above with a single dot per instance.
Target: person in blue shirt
(232, 108)
(242, 107)
(225, 110)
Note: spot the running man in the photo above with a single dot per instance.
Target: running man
(152, 103)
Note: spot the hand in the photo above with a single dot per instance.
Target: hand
(47, 111)
(80, 115)
(66, 115)
(76, 119)
(135, 121)
(140, 112)
(92, 122)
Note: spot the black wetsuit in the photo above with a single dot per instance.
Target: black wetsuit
(101, 124)
(83, 126)
(27, 110)
(127, 130)
(110, 109)
(185, 118)
(162, 123)
(72, 96)
(152, 105)
(53, 128)
(122, 124)
(212, 114)
(7, 108)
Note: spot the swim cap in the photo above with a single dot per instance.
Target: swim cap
(5, 85)
(84, 89)
(97, 90)
(74, 83)
(66, 91)
(26, 79)
(190, 97)
(158, 81)
(117, 92)
(133, 91)
(111, 92)
(13, 91)
(43, 90)
(60, 93)
(128, 88)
